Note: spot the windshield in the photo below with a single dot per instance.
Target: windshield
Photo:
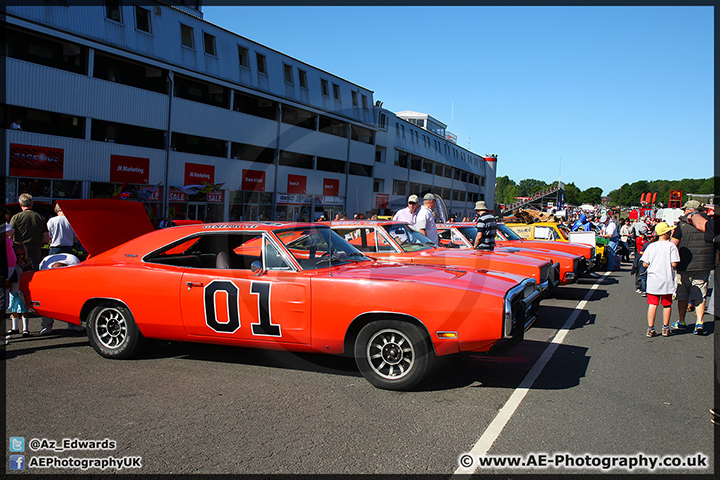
(409, 239)
(469, 232)
(507, 232)
(318, 247)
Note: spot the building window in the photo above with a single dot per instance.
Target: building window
(397, 129)
(209, 44)
(332, 126)
(302, 78)
(288, 73)
(378, 185)
(364, 102)
(336, 91)
(261, 62)
(135, 74)
(292, 159)
(361, 134)
(399, 187)
(324, 88)
(142, 19)
(102, 131)
(383, 121)
(243, 57)
(330, 165)
(299, 118)
(186, 36)
(354, 98)
(252, 105)
(199, 145)
(198, 91)
(112, 10)
(361, 170)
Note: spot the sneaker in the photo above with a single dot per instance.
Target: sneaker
(637, 290)
(678, 325)
(14, 331)
(699, 330)
(651, 333)
(666, 332)
(26, 333)
(46, 331)
(644, 294)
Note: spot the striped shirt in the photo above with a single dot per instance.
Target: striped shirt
(487, 225)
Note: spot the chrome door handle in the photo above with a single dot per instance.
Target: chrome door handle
(193, 284)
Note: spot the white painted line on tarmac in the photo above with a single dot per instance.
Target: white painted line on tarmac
(493, 431)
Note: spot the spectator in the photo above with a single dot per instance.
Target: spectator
(17, 124)
(17, 307)
(343, 216)
(57, 261)
(30, 229)
(609, 231)
(660, 259)
(625, 231)
(638, 269)
(582, 224)
(697, 259)
(425, 220)
(486, 228)
(61, 233)
(409, 213)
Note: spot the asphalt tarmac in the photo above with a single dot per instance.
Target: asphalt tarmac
(189, 408)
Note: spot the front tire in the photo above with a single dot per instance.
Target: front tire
(112, 331)
(393, 355)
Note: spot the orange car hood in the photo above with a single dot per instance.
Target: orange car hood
(102, 224)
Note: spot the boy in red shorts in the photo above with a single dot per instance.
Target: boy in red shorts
(660, 258)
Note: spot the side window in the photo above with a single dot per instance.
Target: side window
(222, 251)
(543, 233)
(273, 259)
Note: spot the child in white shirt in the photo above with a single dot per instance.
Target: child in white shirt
(660, 258)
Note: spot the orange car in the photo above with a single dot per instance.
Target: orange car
(297, 287)
(462, 235)
(399, 242)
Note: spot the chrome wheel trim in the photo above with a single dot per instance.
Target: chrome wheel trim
(391, 354)
(111, 328)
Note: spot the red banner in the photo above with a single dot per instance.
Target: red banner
(215, 197)
(197, 173)
(176, 195)
(382, 200)
(253, 180)
(296, 183)
(129, 169)
(34, 161)
(331, 187)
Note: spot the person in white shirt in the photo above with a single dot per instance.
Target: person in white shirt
(408, 214)
(62, 236)
(425, 221)
(660, 258)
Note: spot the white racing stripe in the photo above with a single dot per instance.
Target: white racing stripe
(493, 431)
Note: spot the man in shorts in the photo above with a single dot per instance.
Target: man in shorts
(697, 259)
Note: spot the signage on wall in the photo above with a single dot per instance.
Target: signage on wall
(296, 183)
(253, 180)
(382, 200)
(124, 169)
(151, 194)
(331, 186)
(175, 195)
(197, 173)
(215, 197)
(35, 161)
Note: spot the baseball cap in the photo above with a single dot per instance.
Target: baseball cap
(413, 198)
(603, 218)
(429, 196)
(662, 228)
(694, 204)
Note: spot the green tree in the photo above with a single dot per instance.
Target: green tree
(572, 194)
(529, 186)
(591, 195)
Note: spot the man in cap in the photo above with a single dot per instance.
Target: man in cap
(409, 213)
(697, 259)
(486, 228)
(609, 231)
(425, 220)
(30, 229)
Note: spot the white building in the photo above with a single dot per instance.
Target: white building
(118, 98)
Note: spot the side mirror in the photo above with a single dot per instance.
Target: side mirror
(256, 267)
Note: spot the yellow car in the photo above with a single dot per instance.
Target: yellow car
(555, 232)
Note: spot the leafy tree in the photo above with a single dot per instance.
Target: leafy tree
(529, 186)
(572, 194)
(591, 195)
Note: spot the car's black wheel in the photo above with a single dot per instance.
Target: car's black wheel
(112, 331)
(393, 355)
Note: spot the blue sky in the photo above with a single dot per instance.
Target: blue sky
(599, 96)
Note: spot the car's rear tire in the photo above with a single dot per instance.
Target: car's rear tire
(112, 331)
(393, 355)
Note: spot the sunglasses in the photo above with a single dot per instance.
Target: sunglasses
(412, 203)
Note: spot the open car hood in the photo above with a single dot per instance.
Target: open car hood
(102, 224)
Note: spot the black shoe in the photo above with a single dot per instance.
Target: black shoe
(26, 333)
(14, 331)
